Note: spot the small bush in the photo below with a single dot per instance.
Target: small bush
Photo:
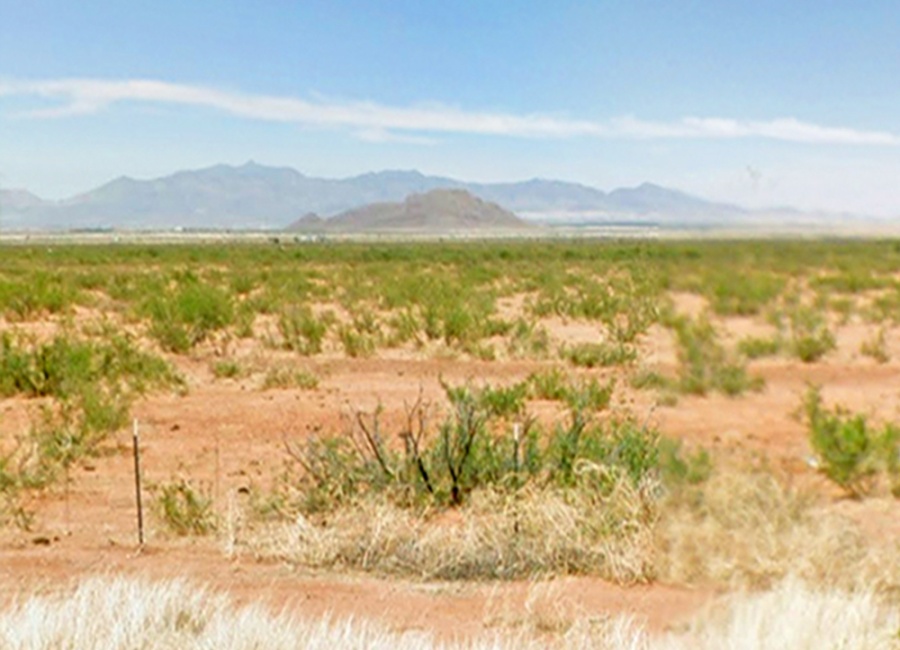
(186, 316)
(504, 402)
(745, 294)
(550, 384)
(876, 348)
(289, 377)
(528, 340)
(594, 355)
(301, 331)
(357, 342)
(756, 348)
(184, 509)
(851, 452)
(227, 369)
(811, 339)
(705, 364)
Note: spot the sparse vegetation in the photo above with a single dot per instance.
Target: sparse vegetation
(546, 471)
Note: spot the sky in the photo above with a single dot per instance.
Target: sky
(758, 103)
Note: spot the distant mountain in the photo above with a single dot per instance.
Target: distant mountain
(437, 211)
(18, 200)
(254, 196)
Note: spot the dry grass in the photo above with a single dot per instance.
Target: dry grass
(794, 616)
(120, 614)
(747, 529)
(538, 531)
(739, 529)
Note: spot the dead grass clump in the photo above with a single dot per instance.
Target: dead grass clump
(747, 529)
(495, 534)
(794, 616)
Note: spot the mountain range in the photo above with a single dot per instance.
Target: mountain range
(253, 196)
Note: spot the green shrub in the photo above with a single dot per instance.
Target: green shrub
(528, 340)
(289, 377)
(184, 509)
(361, 337)
(678, 468)
(583, 394)
(850, 451)
(475, 447)
(301, 331)
(40, 294)
(550, 384)
(65, 367)
(756, 348)
(876, 348)
(811, 339)
(705, 365)
(744, 294)
(227, 369)
(593, 355)
(186, 316)
(504, 402)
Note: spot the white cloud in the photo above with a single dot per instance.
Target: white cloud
(379, 123)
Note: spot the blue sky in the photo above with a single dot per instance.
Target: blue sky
(761, 103)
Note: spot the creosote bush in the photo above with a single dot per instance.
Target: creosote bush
(485, 439)
(852, 453)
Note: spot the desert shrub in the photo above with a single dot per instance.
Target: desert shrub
(876, 347)
(626, 304)
(602, 355)
(184, 509)
(678, 468)
(404, 326)
(528, 340)
(504, 401)
(754, 347)
(187, 315)
(744, 294)
(473, 448)
(851, 451)
(552, 384)
(361, 337)
(705, 365)
(810, 337)
(645, 378)
(41, 293)
(301, 331)
(91, 386)
(285, 376)
(65, 366)
(227, 369)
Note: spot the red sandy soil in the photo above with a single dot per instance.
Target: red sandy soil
(230, 434)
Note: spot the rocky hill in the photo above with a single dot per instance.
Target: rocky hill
(437, 211)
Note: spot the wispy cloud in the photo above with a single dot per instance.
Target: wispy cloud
(380, 123)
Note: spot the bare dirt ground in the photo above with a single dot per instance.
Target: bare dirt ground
(229, 434)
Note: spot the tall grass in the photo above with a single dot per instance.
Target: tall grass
(121, 614)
